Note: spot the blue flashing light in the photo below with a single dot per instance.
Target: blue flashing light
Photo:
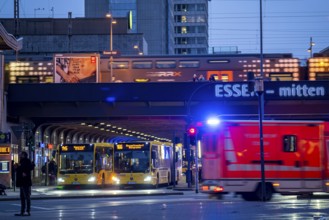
(213, 121)
(110, 99)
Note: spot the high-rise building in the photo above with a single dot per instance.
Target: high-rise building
(168, 26)
(96, 8)
(190, 26)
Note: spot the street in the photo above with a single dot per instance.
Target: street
(187, 206)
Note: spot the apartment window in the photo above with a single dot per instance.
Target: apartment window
(201, 7)
(184, 30)
(184, 19)
(201, 40)
(182, 51)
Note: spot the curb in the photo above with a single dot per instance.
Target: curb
(41, 197)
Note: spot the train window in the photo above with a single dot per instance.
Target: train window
(142, 64)
(281, 76)
(218, 61)
(324, 76)
(27, 79)
(165, 64)
(120, 64)
(289, 143)
(189, 64)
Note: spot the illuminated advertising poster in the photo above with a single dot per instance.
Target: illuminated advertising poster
(76, 68)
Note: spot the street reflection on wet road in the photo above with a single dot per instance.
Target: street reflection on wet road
(187, 206)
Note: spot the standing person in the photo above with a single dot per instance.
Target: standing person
(24, 182)
(195, 78)
(13, 174)
(201, 78)
(212, 78)
(52, 171)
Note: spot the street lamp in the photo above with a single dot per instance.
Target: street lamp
(259, 89)
(111, 44)
(37, 9)
(139, 51)
(310, 49)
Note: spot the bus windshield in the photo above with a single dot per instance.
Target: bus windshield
(76, 162)
(132, 161)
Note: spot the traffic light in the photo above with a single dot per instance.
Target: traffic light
(192, 134)
(29, 141)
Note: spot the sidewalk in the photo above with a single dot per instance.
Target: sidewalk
(54, 192)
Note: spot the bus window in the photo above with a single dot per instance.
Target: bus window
(189, 64)
(142, 64)
(169, 64)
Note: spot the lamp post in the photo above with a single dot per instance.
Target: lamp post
(310, 49)
(139, 51)
(111, 44)
(37, 9)
(189, 121)
(259, 89)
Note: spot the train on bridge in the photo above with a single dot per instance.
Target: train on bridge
(169, 68)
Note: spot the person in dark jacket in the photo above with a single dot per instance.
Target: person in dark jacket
(24, 182)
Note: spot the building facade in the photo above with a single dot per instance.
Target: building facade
(190, 26)
(169, 26)
(44, 37)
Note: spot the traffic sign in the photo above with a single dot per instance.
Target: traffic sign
(113, 52)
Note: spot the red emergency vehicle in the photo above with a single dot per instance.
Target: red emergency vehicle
(295, 158)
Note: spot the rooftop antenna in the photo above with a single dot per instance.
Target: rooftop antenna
(52, 12)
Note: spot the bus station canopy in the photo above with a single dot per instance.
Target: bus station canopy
(8, 41)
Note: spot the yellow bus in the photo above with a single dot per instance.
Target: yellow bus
(144, 163)
(85, 164)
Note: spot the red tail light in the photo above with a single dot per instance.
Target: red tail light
(205, 188)
(218, 189)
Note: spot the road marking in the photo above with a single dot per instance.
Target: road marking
(34, 207)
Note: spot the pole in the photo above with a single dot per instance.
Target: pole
(173, 175)
(197, 165)
(188, 158)
(261, 140)
(311, 48)
(260, 90)
(111, 48)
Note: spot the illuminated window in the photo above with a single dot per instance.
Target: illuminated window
(184, 30)
(120, 65)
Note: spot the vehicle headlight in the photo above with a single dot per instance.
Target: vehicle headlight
(61, 180)
(148, 179)
(91, 179)
(116, 179)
